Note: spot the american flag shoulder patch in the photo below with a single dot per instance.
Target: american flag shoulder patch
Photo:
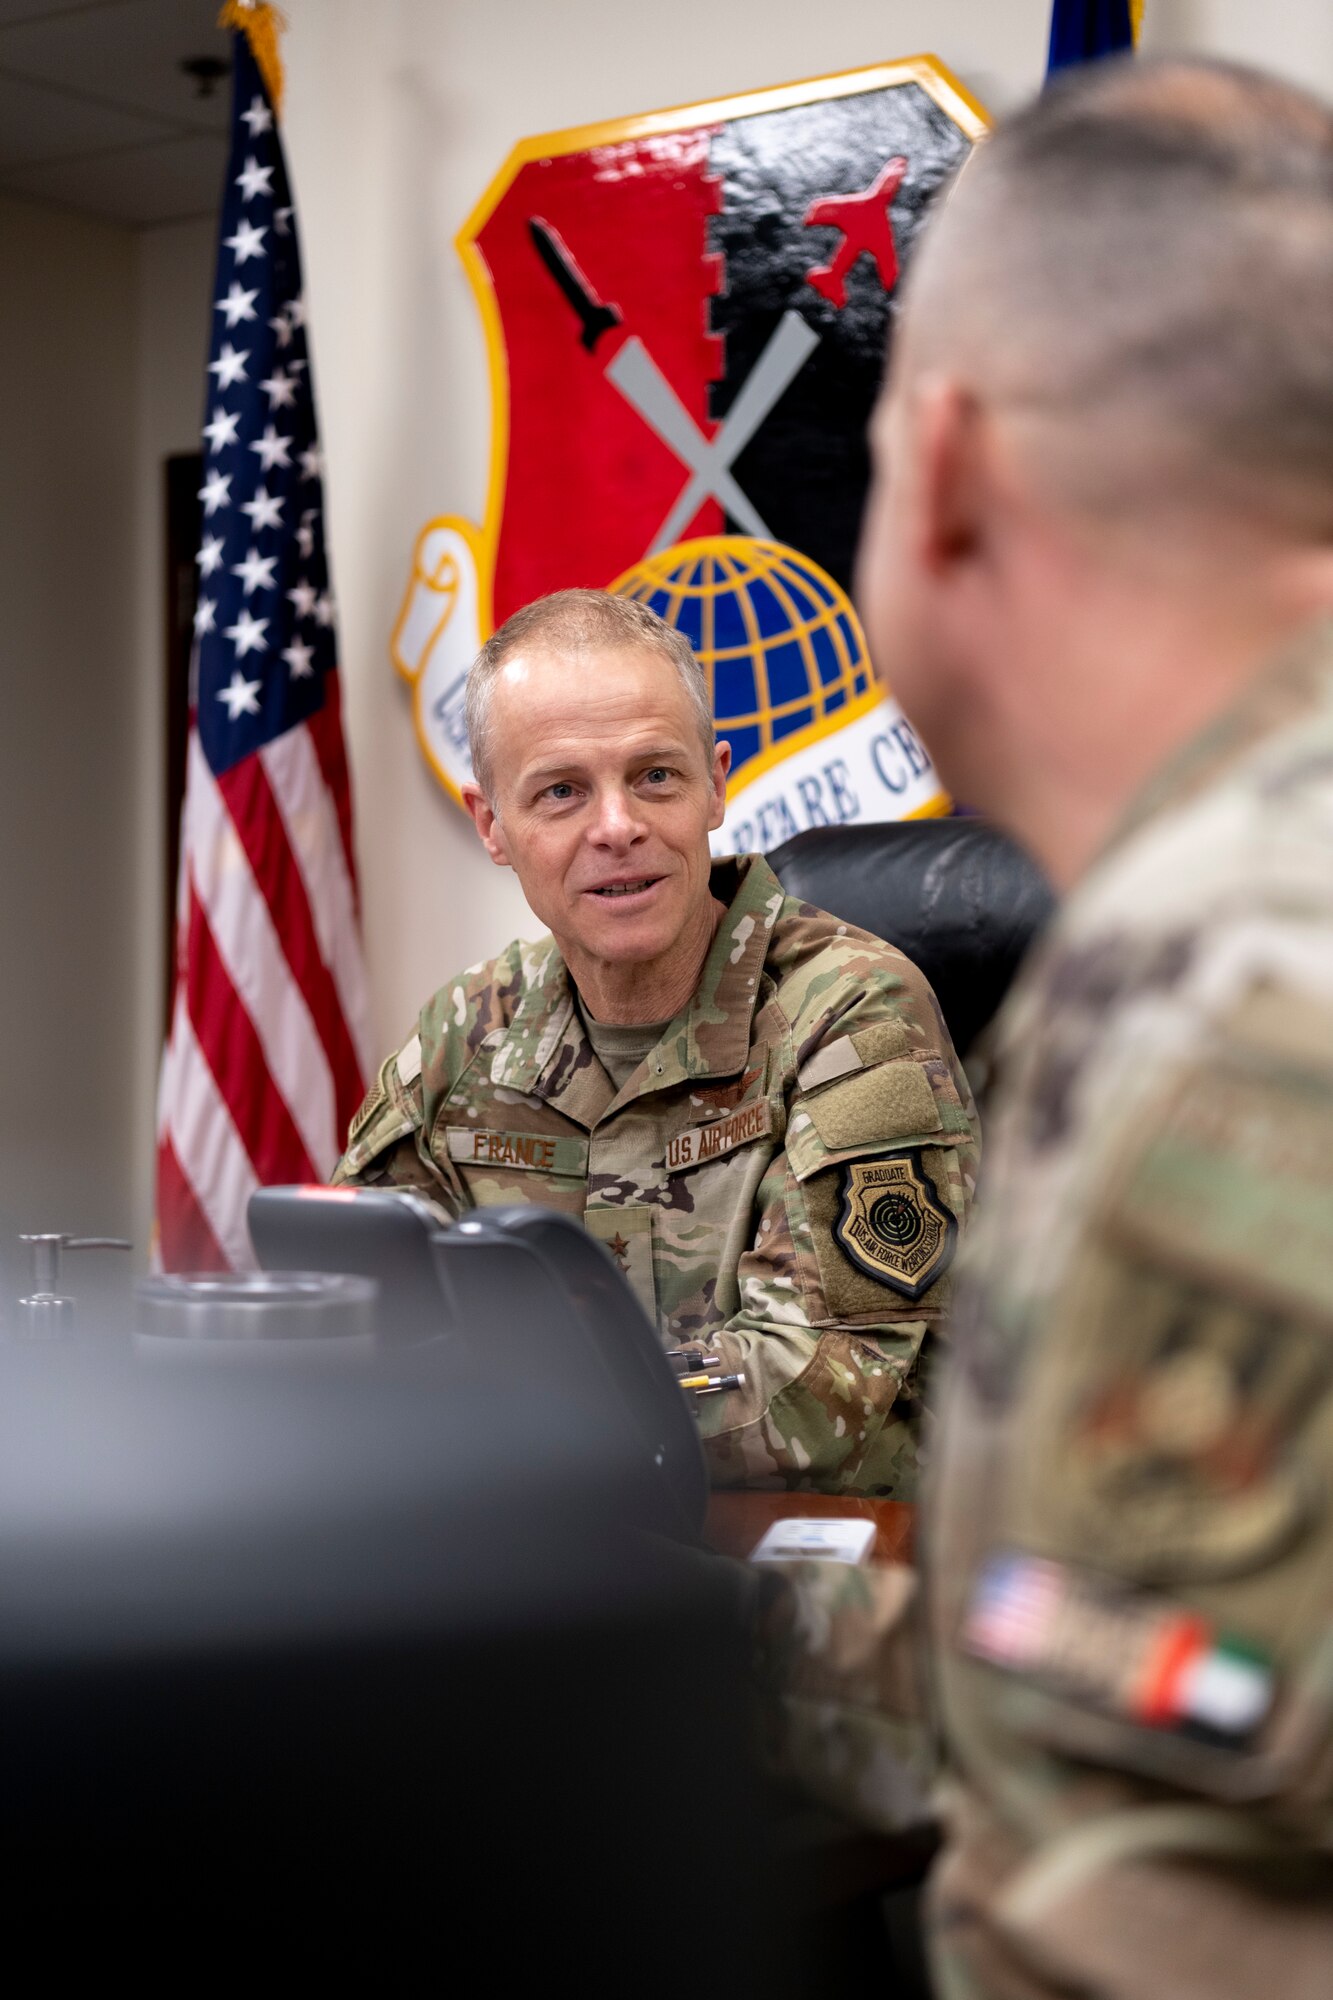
(1098, 1643)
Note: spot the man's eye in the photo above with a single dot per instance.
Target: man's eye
(659, 775)
(562, 790)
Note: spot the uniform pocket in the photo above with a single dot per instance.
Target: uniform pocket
(627, 1233)
(888, 1107)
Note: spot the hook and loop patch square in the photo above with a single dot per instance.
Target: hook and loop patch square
(893, 1224)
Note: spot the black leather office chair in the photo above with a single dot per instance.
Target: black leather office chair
(956, 895)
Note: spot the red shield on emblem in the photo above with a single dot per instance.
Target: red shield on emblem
(686, 317)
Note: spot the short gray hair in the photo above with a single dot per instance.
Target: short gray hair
(573, 623)
(1145, 255)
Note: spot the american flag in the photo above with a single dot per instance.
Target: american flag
(267, 1054)
(1013, 1604)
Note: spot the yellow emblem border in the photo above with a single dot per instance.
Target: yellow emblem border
(934, 77)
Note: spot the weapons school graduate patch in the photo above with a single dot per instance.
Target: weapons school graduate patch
(893, 1225)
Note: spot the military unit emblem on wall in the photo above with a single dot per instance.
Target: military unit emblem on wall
(686, 315)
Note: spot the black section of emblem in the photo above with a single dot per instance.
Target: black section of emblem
(893, 1225)
(774, 168)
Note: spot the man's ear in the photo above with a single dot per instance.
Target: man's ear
(953, 479)
(717, 811)
(487, 822)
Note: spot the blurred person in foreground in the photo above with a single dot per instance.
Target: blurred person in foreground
(756, 1108)
(1097, 564)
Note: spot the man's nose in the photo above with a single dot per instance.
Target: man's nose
(618, 822)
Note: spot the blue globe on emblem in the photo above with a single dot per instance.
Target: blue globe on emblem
(778, 640)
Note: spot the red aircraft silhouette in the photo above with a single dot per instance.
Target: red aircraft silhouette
(864, 222)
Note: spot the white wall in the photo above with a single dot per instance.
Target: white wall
(102, 346)
(173, 308)
(67, 670)
(1293, 37)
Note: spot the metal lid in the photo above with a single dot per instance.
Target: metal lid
(255, 1306)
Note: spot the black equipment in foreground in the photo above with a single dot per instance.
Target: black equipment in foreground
(519, 1300)
(535, 1297)
(316, 1677)
(379, 1233)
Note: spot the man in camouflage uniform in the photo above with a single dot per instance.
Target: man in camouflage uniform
(757, 1109)
(1099, 563)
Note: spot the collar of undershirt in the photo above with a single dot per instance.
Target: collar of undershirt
(540, 1051)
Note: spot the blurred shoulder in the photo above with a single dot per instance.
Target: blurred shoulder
(1239, 828)
(1208, 921)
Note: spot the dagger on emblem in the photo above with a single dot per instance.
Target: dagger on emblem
(637, 377)
(595, 318)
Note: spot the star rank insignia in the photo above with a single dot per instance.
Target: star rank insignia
(893, 1225)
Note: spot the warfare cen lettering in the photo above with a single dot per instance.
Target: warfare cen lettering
(810, 790)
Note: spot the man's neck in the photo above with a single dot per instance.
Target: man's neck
(637, 994)
(1118, 688)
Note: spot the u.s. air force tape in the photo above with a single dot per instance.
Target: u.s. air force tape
(893, 1224)
(710, 1142)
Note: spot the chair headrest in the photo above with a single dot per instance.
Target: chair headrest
(956, 895)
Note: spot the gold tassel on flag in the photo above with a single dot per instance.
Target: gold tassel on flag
(261, 25)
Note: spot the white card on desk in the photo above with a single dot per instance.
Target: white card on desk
(824, 1539)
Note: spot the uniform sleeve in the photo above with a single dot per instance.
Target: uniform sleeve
(844, 1710)
(385, 1147)
(1136, 1623)
(847, 1272)
(389, 1140)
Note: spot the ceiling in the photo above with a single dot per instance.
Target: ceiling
(97, 115)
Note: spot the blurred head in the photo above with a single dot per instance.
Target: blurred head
(597, 776)
(1112, 363)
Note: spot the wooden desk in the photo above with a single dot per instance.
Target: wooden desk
(737, 1520)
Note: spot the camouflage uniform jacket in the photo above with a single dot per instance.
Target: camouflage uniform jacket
(1130, 1507)
(780, 1179)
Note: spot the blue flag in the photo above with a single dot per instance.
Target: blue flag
(1082, 30)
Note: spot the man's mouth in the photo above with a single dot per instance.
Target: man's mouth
(626, 888)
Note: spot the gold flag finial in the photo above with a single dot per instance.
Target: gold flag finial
(261, 25)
